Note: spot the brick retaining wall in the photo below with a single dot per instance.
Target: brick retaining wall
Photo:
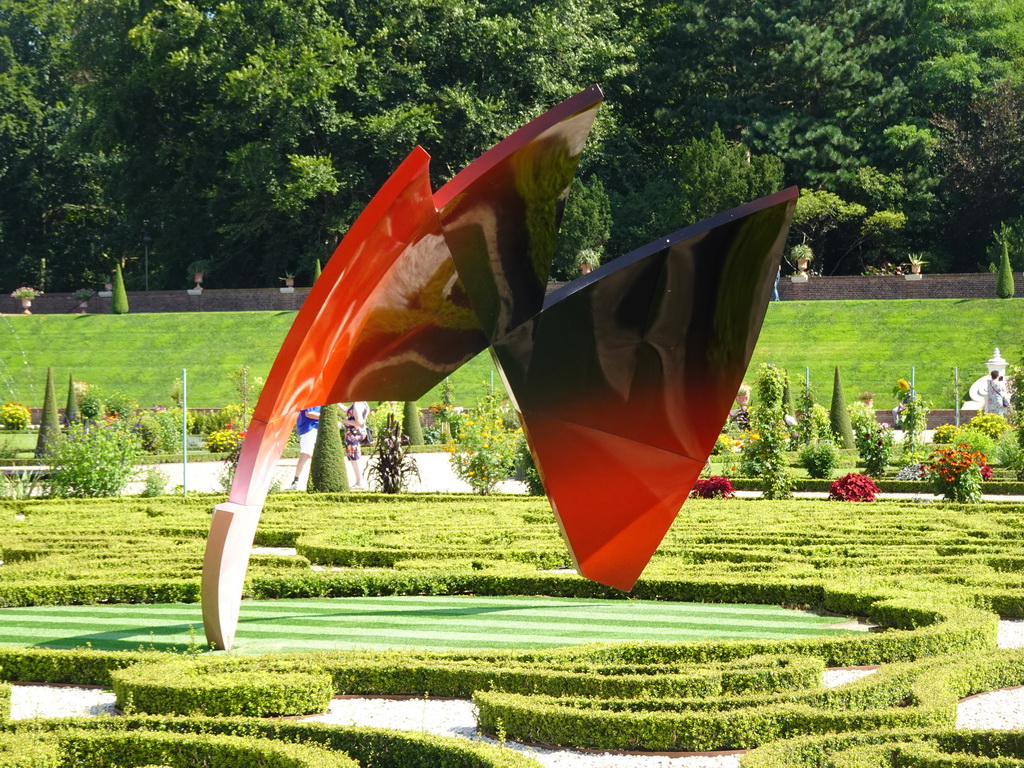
(958, 286)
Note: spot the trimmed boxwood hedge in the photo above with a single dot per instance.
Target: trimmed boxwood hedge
(377, 747)
(76, 746)
(930, 748)
(921, 694)
(223, 686)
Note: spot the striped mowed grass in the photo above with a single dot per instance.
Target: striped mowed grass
(432, 623)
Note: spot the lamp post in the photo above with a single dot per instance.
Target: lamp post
(146, 240)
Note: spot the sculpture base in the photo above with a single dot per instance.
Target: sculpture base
(912, 276)
(286, 289)
(799, 278)
(104, 294)
(195, 291)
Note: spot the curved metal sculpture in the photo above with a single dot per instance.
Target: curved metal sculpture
(628, 371)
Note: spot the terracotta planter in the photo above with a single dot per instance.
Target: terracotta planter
(801, 264)
(915, 269)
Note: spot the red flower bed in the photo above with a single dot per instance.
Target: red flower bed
(853, 487)
(716, 487)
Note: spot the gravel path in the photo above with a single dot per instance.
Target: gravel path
(996, 710)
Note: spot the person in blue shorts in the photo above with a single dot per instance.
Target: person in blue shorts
(306, 426)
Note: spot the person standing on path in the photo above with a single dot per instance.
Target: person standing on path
(306, 425)
(355, 434)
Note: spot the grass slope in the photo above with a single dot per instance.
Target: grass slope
(434, 623)
(875, 342)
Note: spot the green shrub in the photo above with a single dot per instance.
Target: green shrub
(120, 405)
(148, 430)
(154, 483)
(14, 416)
(90, 402)
(524, 458)
(944, 433)
(29, 750)
(820, 460)
(96, 460)
(975, 439)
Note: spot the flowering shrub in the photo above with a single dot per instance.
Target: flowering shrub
(94, 460)
(25, 292)
(722, 446)
(14, 416)
(767, 420)
(956, 473)
(914, 416)
(992, 424)
(853, 487)
(223, 441)
(874, 444)
(944, 433)
(714, 487)
(484, 452)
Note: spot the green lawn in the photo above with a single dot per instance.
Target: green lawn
(875, 342)
(434, 623)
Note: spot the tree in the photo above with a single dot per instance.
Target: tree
(411, 426)
(327, 471)
(839, 415)
(71, 408)
(119, 300)
(49, 423)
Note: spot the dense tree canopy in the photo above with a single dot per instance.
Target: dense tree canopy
(250, 133)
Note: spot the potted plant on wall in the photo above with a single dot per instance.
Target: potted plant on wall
(25, 294)
(289, 283)
(588, 259)
(802, 256)
(915, 260)
(82, 296)
(198, 269)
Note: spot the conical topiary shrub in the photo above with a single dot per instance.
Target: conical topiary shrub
(1004, 283)
(316, 271)
(411, 426)
(119, 300)
(839, 416)
(787, 398)
(327, 471)
(71, 407)
(49, 424)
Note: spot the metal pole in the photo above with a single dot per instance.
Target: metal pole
(956, 396)
(807, 403)
(913, 399)
(184, 432)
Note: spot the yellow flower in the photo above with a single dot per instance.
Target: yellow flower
(903, 384)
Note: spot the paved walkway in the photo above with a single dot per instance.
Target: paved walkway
(436, 476)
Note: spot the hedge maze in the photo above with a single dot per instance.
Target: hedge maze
(933, 577)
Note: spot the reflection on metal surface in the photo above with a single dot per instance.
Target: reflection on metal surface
(622, 379)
